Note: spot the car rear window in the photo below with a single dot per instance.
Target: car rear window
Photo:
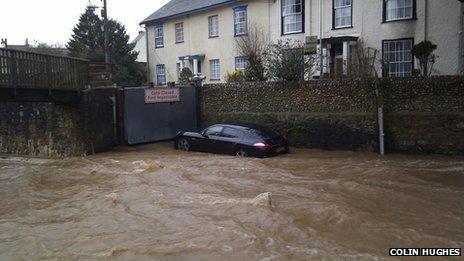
(264, 132)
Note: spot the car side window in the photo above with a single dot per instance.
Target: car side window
(214, 130)
(230, 133)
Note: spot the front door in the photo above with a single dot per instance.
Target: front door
(336, 63)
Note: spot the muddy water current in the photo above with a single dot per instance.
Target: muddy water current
(152, 202)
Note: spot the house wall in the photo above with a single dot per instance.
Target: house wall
(444, 25)
(196, 40)
(443, 28)
(141, 47)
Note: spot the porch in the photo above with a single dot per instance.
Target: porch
(336, 55)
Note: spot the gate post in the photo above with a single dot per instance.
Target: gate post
(198, 80)
(198, 84)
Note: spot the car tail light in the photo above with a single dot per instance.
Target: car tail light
(261, 145)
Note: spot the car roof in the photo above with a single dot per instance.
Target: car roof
(244, 125)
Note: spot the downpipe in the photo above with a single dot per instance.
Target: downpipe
(461, 41)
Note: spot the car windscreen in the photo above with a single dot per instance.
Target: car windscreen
(213, 130)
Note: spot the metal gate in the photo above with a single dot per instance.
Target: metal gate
(149, 122)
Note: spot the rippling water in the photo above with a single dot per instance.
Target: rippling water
(151, 202)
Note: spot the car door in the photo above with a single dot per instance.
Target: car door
(211, 134)
(227, 141)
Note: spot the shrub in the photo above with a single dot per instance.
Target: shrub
(236, 76)
(287, 61)
(186, 76)
(423, 52)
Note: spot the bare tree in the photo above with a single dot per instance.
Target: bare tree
(287, 61)
(363, 62)
(253, 47)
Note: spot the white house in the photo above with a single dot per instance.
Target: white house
(201, 34)
(141, 47)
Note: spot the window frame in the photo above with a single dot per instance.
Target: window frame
(384, 13)
(210, 26)
(334, 27)
(384, 72)
(158, 82)
(211, 70)
(245, 63)
(182, 31)
(237, 10)
(303, 14)
(157, 36)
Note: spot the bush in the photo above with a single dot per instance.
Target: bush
(287, 61)
(186, 76)
(236, 76)
(423, 51)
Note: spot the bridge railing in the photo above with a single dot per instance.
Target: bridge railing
(29, 70)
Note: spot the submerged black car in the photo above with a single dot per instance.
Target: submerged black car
(240, 139)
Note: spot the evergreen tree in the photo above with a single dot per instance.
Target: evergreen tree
(87, 41)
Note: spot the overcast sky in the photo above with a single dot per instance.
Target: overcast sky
(52, 21)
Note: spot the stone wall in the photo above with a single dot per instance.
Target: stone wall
(421, 115)
(40, 129)
(58, 129)
(424, 115)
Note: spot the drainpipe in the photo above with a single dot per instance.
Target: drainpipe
(461, 41)
(148, 54)
(269, 37)
(320, 41)
(426, 15)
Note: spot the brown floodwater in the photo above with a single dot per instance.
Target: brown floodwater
(152, 202)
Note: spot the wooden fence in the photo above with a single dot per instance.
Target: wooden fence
(28, 70)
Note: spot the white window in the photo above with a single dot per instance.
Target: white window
(398, 58)
(179, 32)
(342, 13)
(215, 69)
(213, 26)
(159, 36)
(160, 74)
(240, 20)
(399, 9)
(241, 64)
(292, 16)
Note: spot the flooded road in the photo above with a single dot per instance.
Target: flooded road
(151, 202)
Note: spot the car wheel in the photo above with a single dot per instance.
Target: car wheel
(241, 153)
(183, 144)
